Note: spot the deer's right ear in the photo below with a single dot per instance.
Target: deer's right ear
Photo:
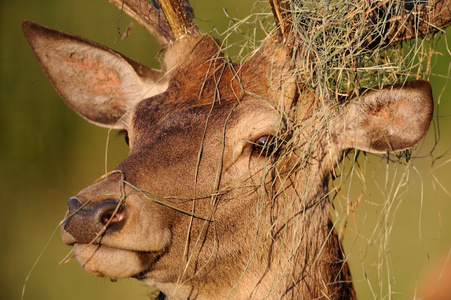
(391, 119)
(99, 84)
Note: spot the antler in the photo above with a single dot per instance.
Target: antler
(178, 19)
(167, 27)
(414, 19)
(280, 10)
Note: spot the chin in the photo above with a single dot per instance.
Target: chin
(104, 261)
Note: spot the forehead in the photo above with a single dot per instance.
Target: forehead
(157, 114)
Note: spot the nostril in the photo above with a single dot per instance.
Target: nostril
(113, 215)
(74, 205)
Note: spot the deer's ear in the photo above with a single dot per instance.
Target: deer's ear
(391, 119)
(99, 84)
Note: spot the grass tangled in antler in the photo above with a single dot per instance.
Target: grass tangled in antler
(344, 47)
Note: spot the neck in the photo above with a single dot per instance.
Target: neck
(289, 250)
(304, 258)
(295, 254)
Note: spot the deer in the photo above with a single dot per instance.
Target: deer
(224, 192)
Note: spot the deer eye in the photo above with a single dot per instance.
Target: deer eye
(266, 145)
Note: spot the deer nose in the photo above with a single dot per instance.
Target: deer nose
(89, 222)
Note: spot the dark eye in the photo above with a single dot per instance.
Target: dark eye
(266, 145)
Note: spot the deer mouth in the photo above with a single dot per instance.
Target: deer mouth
(107, 244)
(104, 261)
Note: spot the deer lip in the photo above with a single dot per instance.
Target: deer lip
(97, 259)
(101, 246)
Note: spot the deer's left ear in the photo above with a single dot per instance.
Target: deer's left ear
(391, 119)
(98, 83)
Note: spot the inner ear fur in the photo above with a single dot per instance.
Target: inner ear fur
(391, 119)
(98, 83)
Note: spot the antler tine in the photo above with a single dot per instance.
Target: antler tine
(148, 16)
(282, 17)
(177, 17)
(167, 27)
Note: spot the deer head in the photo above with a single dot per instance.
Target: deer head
(224, 191)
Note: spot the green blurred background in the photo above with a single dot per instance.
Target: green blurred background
(48, 154)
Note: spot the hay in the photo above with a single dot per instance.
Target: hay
(343, 47)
